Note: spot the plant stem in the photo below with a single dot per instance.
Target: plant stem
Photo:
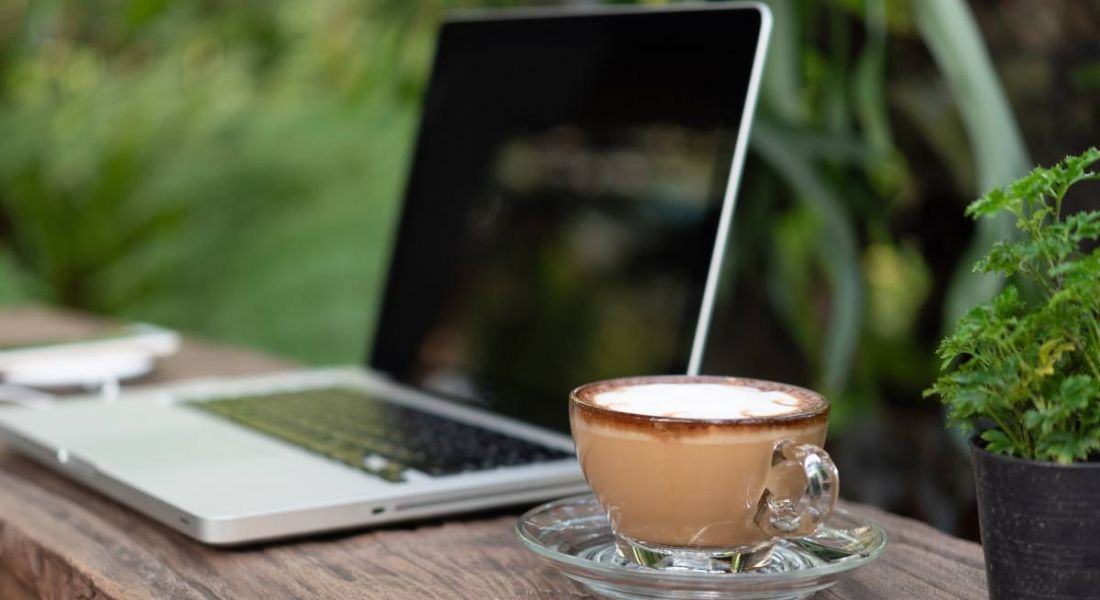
(1090, 357)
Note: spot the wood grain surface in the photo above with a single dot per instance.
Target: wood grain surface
(60, 540)
(11, 588)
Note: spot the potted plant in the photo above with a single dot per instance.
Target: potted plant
(1022, 373)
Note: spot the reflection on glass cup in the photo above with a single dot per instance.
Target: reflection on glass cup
(704, 473)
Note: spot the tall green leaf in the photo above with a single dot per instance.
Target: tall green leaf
(839, 252)
(951, 33)
(781, 86)
(869, 78)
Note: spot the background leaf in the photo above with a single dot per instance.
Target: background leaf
(951, 33)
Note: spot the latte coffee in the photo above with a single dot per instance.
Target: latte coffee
(712, 463)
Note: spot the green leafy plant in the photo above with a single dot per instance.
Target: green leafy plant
(1029, 360)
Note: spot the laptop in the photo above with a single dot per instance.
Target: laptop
(564, 221)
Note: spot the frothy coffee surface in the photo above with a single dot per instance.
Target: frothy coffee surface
(698, 401)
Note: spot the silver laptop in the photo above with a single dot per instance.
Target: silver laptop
(564, 222)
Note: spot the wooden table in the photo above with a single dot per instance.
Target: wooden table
(60, 540)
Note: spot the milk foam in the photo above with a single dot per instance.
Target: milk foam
(698, 401)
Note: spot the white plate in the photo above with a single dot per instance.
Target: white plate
(89, 370)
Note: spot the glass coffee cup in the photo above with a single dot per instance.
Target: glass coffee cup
(704, 473)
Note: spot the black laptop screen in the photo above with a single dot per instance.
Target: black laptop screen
(563, 204)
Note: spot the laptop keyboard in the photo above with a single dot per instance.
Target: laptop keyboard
(382, 438)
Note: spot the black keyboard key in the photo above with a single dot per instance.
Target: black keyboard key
(377, 437)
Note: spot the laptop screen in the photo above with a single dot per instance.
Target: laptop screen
(563, 203)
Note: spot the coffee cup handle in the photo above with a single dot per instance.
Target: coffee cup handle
(795, 517)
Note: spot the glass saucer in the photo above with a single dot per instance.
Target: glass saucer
(574, 536)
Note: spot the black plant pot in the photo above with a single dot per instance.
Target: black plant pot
(1040, 525)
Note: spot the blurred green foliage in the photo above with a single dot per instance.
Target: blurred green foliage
(226, 168)
(846, 186)
(233, 168)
